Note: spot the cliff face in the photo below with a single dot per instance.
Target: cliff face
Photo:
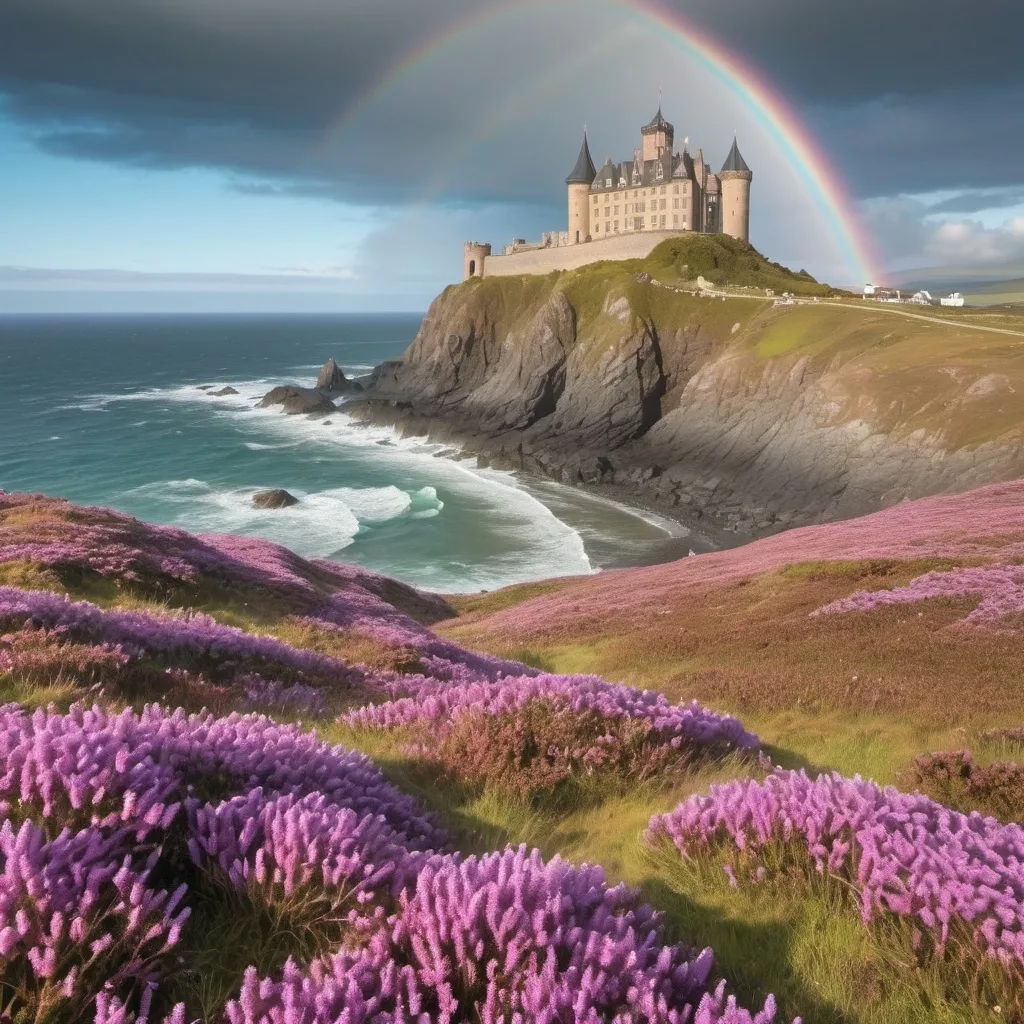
(756, 416)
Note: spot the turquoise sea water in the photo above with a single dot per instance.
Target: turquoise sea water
(108, 411)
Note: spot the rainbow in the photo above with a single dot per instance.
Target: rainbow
(764, 102)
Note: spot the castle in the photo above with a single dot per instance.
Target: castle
(624, 210)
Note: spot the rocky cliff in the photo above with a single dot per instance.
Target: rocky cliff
(751, 414)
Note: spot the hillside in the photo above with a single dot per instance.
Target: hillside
(190, 828)
(751, 415)
(997, 293)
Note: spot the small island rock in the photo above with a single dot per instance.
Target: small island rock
(276, 498)
(296, 401)
(225, 391)
(331, 378)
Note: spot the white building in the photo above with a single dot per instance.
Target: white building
(956, 299)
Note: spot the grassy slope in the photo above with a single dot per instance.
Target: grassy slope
(855, 694)
(741, 640)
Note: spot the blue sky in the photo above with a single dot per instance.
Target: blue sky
(186, 154)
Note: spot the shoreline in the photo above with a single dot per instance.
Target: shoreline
(679, 533)
(672, 535)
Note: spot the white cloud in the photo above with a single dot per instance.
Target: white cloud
(916, 232)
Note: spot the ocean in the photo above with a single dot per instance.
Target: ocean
(109, 411)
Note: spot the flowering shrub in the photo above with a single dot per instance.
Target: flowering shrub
(102, 799)
(999, 589)
(438, 701)
(92, 766)
(306, 855)
(533, 748)
(317, 834)
(77, 916)
(946, 872)
(137, 634)
(45, 655)
(528, 734)
(503, 937)
(955, 780)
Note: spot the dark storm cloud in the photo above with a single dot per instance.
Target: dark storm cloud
(914, 95)
(980, 199)
(846, 52)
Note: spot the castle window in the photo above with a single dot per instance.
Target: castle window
(675, 189)
(607, 227)
(663, 187)
(472, 268)
(662, 221)
(622, 182)
(663, 202)
(616, 227)
(675, 220)
(659, 172)
(607, 210)
(675, 204)
(607, 182)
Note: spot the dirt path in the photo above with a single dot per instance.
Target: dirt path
(916, 316)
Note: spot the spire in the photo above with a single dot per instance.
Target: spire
(658, 123)
(734, 161)
(583, 173)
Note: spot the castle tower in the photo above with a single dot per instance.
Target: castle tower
(473, 256)
(734, 211)
(658, 136)
(581, 177)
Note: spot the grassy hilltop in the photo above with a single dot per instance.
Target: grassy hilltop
(250, 868)
(753, 415)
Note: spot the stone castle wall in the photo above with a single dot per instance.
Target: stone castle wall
(544, 261)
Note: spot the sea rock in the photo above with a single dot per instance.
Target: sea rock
(205, 387)
(331, 378)
(297, 401)
(275, 498)
(225, 391)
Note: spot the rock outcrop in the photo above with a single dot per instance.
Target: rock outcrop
(223, 392)
(297, 401)
(749, 416)
(275, 498)
(332, 379)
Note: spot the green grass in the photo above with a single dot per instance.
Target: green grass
(801, 937)
(796, 936)
(228, 932)
(61, 693)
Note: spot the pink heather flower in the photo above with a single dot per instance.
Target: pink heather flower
(905, 853)
(998, 588)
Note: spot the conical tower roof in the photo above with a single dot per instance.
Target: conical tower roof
(734, 161)
(657, 124)
(584, 172)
